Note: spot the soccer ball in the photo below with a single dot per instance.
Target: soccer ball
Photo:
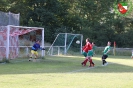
(78, 42)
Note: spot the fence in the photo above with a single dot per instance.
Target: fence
(25, 50)
(118, 51)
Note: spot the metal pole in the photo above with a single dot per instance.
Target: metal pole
(18, 19)
(27, 51)
(7, 45)
(65, 43)
(81, 44)
(52, 51)
(53, 43)
(58, 50)
(43, 51)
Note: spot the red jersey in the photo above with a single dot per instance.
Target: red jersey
(87, 47)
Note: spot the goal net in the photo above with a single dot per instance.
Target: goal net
(9, 19)
(11, 36)
(66, 43)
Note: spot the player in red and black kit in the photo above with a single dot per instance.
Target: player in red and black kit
(88, 52)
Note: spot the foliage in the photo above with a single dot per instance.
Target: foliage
(92, 18)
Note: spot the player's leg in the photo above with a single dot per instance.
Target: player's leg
(106, 63)
(86, 59)
(36, 54)
(90, 53)
(84, 62)
(103, 59)
(91, 62)
(89, 57)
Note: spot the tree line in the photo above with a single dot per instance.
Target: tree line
(92, 18)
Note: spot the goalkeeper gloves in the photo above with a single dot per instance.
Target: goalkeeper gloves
(43, 48)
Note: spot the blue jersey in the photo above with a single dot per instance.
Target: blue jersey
(36, 46)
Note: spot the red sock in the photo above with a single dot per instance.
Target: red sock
(90, 61)
(85, 61)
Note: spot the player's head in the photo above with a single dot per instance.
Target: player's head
(109, 43)
(93, 43)
(87, 39)
(38, 41)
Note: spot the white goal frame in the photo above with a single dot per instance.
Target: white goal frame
(8, 35)
(65, 46)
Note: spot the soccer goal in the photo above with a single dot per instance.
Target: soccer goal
(66, 43)
(10, 37)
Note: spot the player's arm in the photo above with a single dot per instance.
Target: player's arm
(41, 48)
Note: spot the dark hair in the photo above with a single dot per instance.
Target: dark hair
(37, 40)
(93, 42)
(88, 39)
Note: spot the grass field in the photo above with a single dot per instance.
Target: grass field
(67, 72)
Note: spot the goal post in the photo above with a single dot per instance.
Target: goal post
(65, 42)
(7, 44)
(9, 39)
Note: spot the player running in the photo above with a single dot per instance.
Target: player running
(88, 52)
(34, 49)
(105, 54)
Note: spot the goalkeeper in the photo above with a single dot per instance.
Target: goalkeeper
(34, 49)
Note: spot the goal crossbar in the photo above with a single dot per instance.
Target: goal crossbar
(17, 33)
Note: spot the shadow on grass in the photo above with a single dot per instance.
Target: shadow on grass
(63, 65)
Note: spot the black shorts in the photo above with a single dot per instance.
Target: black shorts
(104, 56)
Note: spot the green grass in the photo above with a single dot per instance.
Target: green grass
(67, 72)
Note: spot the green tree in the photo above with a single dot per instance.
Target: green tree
(3, 5)
(47, 13)
(92, 18)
